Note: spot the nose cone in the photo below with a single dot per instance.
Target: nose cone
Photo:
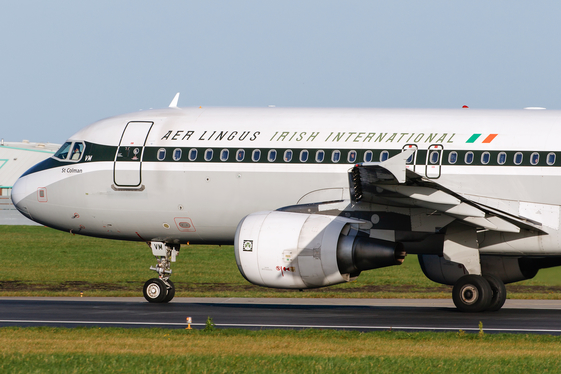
(21, 193)
(19, 190)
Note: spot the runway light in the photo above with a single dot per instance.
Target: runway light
(465, 107)
(189, 321)
(81, 294)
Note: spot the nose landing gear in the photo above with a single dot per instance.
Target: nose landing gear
(161, 289)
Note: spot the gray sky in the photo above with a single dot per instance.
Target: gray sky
(65, 64)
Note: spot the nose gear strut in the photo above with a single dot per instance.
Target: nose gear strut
(161, 289)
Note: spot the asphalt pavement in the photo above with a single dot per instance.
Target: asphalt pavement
(518, 316)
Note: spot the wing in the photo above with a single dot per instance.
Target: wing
(391, 183)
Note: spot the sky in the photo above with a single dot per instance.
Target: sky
(66, 64)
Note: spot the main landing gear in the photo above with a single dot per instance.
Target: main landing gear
(476, 293)
(161, 289)
(471, 293)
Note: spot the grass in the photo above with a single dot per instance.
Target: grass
(38, 261)
(97, 350)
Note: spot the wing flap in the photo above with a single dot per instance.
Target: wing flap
(426, 194)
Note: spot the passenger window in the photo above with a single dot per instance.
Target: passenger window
(161, 154)
(453, 157)
(62, 153)
(272, 155)
(256, 155)
(320, 155)
(535, 158)
(335, 156)
(240, 155)
(434, 157)
(304, 156)
(224, 155)
(351, 157)
(485, 157)
(287, 155)
(177, 154)
(501, 158)
(410, 159)
(193, 154)
(368, 156)
(469, 158)
(208, 154)
(518, 158)
(384, 156)
(551, 158)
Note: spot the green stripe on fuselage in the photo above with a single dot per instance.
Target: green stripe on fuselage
(473, 138)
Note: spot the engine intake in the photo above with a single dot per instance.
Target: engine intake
(295, 250)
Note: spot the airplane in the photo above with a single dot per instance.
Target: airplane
(312, 197)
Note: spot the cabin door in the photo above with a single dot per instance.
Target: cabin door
(127, 171)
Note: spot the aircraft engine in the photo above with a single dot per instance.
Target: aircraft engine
(295, 250)
(507, 269)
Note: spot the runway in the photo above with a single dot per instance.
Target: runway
(518, 316)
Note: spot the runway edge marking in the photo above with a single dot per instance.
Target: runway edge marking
(419, 328)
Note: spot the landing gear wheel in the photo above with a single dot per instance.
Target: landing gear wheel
(472, 293)
(170, 292)
(499, 293)
(155, 290)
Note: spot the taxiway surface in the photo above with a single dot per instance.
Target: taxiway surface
(521, 316)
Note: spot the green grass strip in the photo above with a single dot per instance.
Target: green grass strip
(95, 350)
(38, 261)
(86, 363)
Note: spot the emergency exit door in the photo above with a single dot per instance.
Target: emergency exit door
(434, 161)
(127, 171)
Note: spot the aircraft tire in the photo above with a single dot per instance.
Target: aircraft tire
(170, 292)
(499, 293)
(472, 293)
(155, 290)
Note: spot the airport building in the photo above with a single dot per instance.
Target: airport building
(15, 159)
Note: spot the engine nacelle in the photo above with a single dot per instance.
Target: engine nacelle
(295, 250)
(507, 269)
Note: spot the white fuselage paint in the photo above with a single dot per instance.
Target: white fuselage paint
(215, 196)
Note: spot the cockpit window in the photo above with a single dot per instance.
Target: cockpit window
(77, 150)
(70, 151)
(62, 153)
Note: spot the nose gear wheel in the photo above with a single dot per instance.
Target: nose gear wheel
(161, 289)
(155, 290)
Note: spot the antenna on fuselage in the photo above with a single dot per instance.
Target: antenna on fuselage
(173, 103)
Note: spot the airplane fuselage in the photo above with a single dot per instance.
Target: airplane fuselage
(191, 174)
